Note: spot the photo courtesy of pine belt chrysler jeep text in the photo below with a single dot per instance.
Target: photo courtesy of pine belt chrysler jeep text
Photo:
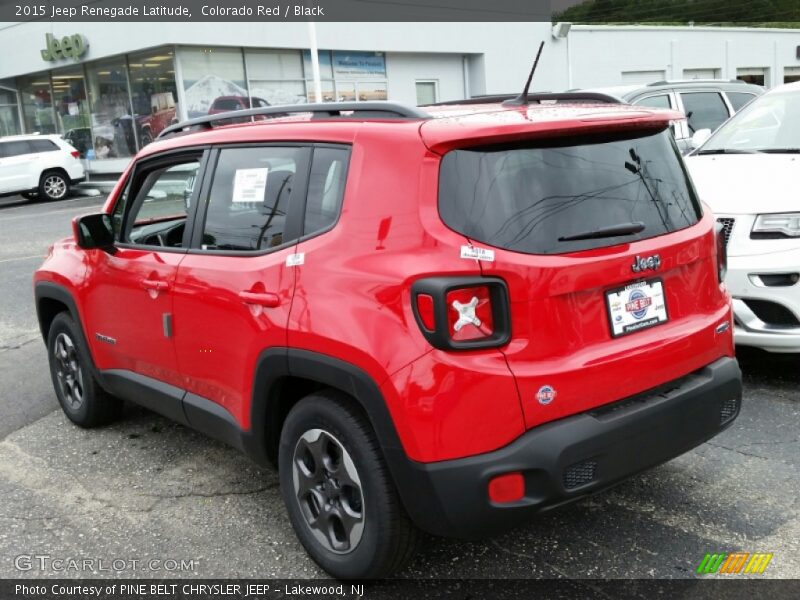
(445, 318)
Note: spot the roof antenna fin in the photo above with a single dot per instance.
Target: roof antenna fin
(522, 99)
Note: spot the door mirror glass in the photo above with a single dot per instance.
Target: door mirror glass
(94, 231)
(700, 136)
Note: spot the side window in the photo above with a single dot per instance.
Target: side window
(704, 110)
(17, 148)
(739, 99)
(250, 197)
(654, 101)
(325, 188)
(118, 213)
(160, 199)
(43, 146)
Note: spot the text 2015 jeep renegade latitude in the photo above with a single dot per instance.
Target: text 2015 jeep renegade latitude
(447, 320)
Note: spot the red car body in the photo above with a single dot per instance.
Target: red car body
(348, 317)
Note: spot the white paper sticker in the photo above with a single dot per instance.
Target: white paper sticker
(249, 185)
(294, 260)
(477, 253)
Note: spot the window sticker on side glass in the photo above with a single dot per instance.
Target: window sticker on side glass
(249, 185)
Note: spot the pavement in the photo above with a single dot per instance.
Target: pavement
(164, 501)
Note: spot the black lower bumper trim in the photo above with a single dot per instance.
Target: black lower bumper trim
(568, 459)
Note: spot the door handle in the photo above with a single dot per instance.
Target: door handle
(154, 284)
(267, 299)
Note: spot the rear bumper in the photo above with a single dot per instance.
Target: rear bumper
(568, 459)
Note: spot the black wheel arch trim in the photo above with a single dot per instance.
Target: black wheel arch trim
(48, 290)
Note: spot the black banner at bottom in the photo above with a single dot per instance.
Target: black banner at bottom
(472, 589)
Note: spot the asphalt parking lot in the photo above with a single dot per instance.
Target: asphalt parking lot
(170, 502)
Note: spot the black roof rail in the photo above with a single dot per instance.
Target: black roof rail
(377, 109)
(539, 98)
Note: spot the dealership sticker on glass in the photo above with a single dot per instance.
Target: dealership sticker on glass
(249, 185)
(636, 306)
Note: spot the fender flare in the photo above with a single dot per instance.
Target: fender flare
(275, 363)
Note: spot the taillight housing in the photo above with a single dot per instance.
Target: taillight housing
(722, 252)
(462, 313)
(75, 154)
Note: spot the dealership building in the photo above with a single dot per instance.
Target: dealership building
(110, 88)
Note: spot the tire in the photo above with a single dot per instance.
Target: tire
(54, 185)
(328, 451)
(81, 398)
(145, 138)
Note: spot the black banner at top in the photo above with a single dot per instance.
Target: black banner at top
(279, 10)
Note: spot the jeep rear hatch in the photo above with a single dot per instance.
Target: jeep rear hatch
(610, 264)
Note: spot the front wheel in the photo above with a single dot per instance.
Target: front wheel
(81, 398)
(338, 492)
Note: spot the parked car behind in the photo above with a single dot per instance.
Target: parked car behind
(748, 172)
(38, 165)
(707, 103)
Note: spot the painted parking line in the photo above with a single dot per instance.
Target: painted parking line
(39, 256)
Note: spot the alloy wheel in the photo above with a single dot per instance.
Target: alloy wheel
(55, 187)
(68, 371)
(328, 489)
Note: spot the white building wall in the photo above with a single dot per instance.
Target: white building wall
(403, 70)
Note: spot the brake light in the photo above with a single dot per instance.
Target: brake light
(75, 154)
(462, 313)
(469, 314)
(722, 252)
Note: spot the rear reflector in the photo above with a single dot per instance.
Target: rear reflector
(425, 311)
(75, 154)
(509, 487)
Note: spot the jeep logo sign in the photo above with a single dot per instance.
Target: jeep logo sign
(644, 264)
(70, 46)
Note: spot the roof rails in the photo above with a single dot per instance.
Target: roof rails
(375, 110)
(677, 81)
(540, 98)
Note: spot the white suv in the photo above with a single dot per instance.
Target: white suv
(43, 165)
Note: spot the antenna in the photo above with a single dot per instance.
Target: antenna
(522, 99)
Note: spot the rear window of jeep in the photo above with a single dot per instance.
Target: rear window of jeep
(547, 197)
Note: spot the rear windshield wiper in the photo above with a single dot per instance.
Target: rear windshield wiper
(605, 232)
(726, 151)
(780, 150)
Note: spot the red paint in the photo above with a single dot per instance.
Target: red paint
(509, 487)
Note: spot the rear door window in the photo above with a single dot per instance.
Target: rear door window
(739, 99)
(660, 101)
(533, 198)
(704, 110)
(17, 148)
(43, 146)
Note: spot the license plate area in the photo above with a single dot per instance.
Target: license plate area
(636, 306)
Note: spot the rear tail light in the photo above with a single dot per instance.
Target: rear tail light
(509, 487)
(722, 252)
(75, 154)
(462, 313)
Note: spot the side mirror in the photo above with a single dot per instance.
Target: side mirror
(700, 136)
(94, 231)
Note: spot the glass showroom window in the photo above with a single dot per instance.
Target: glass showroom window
(9, 114)
(153, 93)
(109, 97)
(212, 78)
(72, 108)
(276, 76)
(354, 75)
(37, 103)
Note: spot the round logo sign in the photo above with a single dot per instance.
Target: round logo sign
(637, 304)
(546, 394)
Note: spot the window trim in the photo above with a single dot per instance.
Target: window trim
(141, 170)
(294, 216)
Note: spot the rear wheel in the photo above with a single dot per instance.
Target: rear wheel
(81, 398)
(53, 185)
(338, 492)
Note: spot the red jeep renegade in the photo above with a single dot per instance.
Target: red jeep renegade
(446, 319)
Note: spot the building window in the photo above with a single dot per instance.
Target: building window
(426, 92)
(275, 76)
(9, 113)
(72, 108)
(791, 74)
(153, 93)
(212, 74)
(701, 73)
(347, 76)
(109, 98)
(37, 103)
(757, 75)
